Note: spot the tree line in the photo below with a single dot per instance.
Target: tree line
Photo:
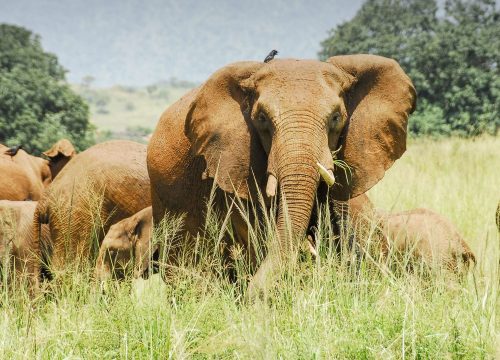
(452, 55)
(37, 106)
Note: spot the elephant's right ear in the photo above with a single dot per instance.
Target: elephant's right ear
(379, 99)
(218, 126)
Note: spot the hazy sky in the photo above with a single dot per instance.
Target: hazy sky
(134, 42)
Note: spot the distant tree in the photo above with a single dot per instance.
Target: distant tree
(37, 106)
(453, 60)
(87, 81)
(465, 72)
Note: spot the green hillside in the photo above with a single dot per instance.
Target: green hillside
(130, 112)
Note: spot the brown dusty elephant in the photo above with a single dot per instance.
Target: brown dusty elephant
(427, 236)
(274, 126)
(420, 234)
(24, 177)
(127, 246)
(101, 186)
(17, 244)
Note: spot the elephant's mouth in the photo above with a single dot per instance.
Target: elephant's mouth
(326, 175)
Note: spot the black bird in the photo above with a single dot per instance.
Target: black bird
(271, 56)
(12, 151)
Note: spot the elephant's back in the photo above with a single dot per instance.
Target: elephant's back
(109, 152)
(433, 235)
(131, 191)
(36, 170)
(15, 183)
(114, 169)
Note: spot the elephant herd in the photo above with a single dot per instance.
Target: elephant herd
(282, 137)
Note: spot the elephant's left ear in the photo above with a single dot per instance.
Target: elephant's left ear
(61, 148)
(379, 98)
(219, 129)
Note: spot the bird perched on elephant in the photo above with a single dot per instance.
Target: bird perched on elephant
(24, 177)
(273, 127)
(17, 244)
(271, 56)
(12, 151)
(101, 186)
(127, 248)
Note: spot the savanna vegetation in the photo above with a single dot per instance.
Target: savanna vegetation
(330, 307)
(324, 309)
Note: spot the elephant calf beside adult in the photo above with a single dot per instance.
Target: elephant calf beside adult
(269, 125)
(127, 248)
(101, 186)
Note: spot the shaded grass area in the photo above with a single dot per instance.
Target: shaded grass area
(321, 309)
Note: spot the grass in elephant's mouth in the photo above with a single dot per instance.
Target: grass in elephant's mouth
(325, 309)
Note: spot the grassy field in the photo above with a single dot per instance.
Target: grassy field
(323, 310)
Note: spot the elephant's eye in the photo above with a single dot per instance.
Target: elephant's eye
(262, 119)
(335, 119)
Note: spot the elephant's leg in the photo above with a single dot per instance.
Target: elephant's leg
(251, 248)
(344, 228)
(172, 248)
(165, 257)
(311, 242)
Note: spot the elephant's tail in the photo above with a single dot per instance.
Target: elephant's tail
(41, 239)
(468, 257)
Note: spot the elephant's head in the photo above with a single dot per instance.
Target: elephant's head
(59, 155)
(275, 122)
(126, 246)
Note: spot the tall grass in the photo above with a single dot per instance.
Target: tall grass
(321, 309)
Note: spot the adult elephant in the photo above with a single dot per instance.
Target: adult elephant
(101, 186)
(276, 121)
(24, 177)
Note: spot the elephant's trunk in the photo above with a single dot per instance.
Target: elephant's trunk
(297, 154)
(293, 169)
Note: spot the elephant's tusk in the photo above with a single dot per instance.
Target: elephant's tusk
(327, 175)
(272, 183)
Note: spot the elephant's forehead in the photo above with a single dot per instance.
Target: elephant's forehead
(293, 69)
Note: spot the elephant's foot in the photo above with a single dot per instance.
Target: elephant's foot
(309, 246)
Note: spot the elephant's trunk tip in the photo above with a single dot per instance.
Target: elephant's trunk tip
(326, 174)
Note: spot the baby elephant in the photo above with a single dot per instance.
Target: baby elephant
(17, 244)
(126, 247)
(428, 236)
